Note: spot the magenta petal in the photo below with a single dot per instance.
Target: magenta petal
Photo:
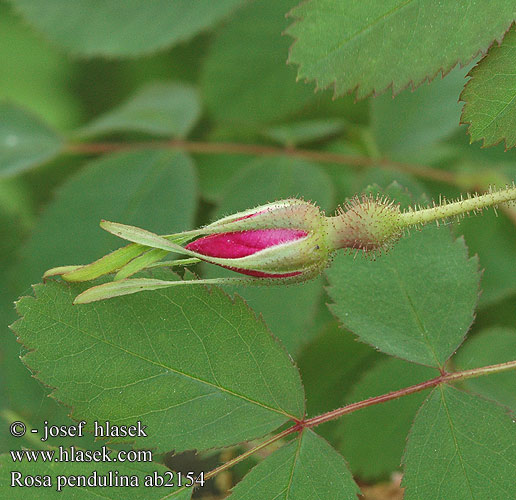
(243, 243)
(260, 274)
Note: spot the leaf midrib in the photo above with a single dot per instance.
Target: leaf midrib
(365, 28)
(419, 321)
(173, 370)
(455, 443)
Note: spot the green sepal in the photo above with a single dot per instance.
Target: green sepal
(58, 271)
(129, 286)
(148, 260)
(298, 255)
(105, 265)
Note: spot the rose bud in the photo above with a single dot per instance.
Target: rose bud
(286, 239)
(282, 242)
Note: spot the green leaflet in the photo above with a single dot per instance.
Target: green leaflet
(489, 95)
(199, 369)
(307, 468)
(130, 28)
(416, 301)
(461, 447)
(25, 141)
(370, 46)
(36, 75)
(296, 133)
(54, 469)
(414, 120)
(163, 109)
(493, 238)
(251, 50)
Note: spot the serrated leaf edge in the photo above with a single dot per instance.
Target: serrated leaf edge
(444, 70)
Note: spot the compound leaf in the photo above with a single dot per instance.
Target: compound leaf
(121, 29)
(198, 369)
(372, 454)
(490, 94)
(25, 141)
(415, 302)
(307, 468)
(460, 447)
(369, 46)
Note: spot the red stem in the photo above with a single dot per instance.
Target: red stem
(263, 150)
(332, 415)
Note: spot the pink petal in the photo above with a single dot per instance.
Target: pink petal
(260, 274)
(243, 243)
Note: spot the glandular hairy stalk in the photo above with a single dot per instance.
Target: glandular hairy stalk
(283, 242)
(459, 208)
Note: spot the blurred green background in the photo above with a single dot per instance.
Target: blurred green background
(222, 78)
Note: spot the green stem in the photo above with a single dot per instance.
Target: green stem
(248, 453)
(458, 208)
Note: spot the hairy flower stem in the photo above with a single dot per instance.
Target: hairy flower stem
(458, 208)
(339, 412)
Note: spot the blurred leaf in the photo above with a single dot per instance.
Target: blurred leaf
(12, 231)
(373, 454)
(138, 188)
(492, 346)
(415, 302)
(493, 238)
(460, 447)
(330, 365)
(502, 313)
(417, 119)
(370, 46)
(307, 468)
(163, 109)
(25, 141)
(62, 469)
(21, 396)
(216, 172)
(115, 29)
(16, 204)
(245, 79)
(287, 310)
(292, 178)
(296, 133)
(408, 185)
(34, 73)
(490, 93)
(347, 108)
(197, 368)
(346, 179)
